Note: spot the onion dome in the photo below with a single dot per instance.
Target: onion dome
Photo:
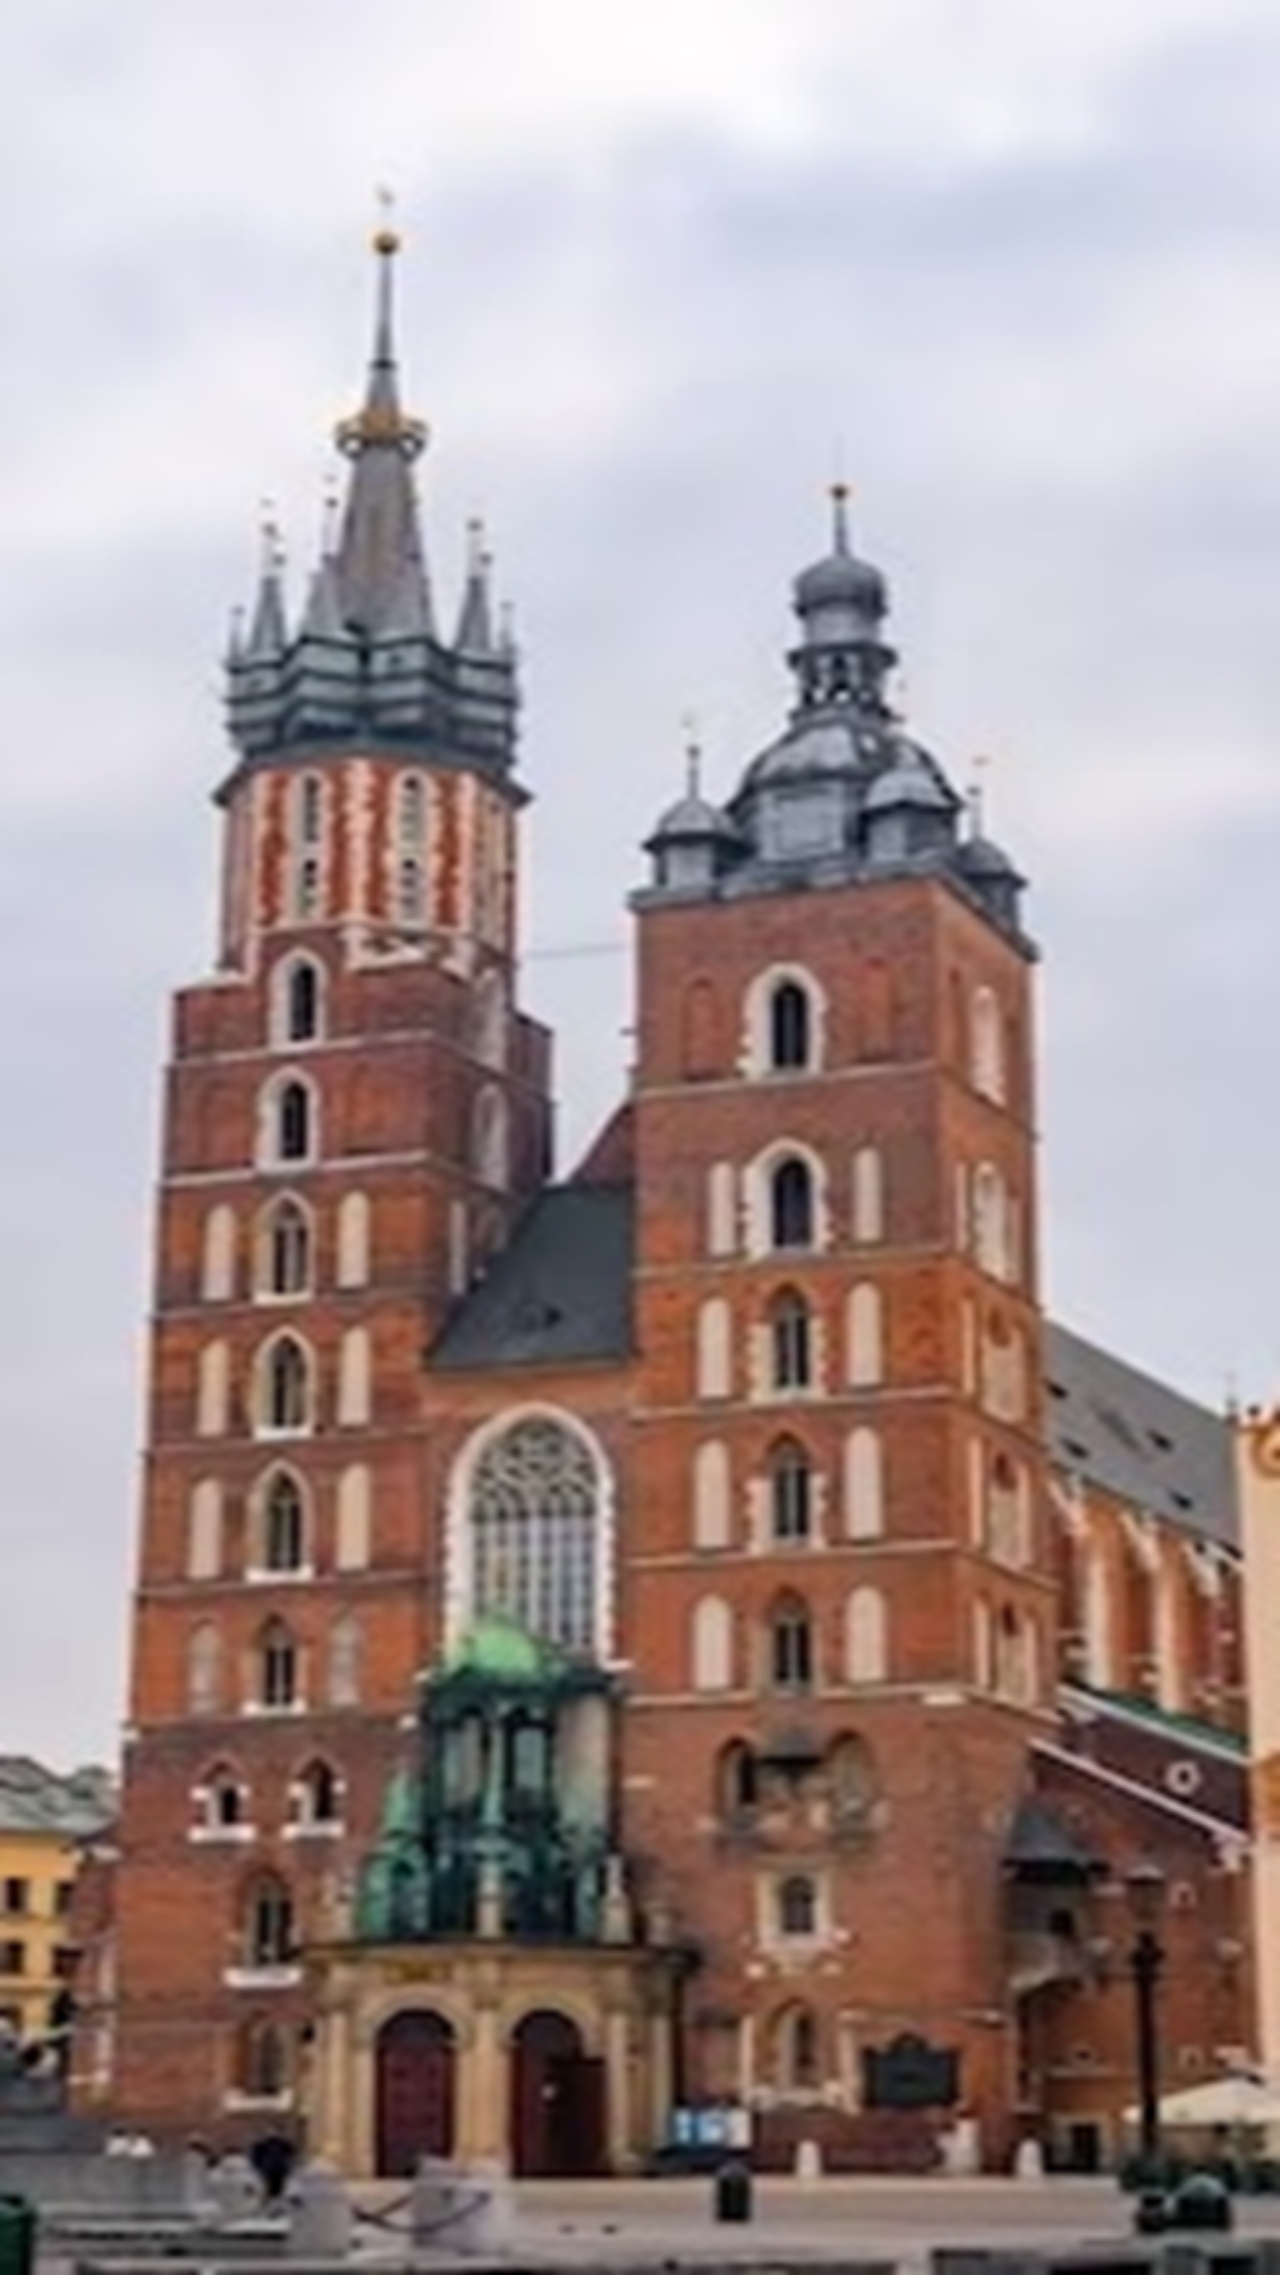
(840, 579)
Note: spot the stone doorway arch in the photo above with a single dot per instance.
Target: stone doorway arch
(558, 2096)
(415, 2066)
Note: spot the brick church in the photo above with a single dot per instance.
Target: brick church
(683, 1650)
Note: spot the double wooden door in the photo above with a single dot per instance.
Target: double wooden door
(416, 2065)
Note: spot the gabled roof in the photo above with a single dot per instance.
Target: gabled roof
(1136, 1438)
(560, 1291)
(34, 1799)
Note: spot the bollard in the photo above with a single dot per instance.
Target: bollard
(808, 2164)
(321, 2216)
(731, 2201)
(17, 2236)
(234, 2189)
(461, 2209)
(1201, 2202)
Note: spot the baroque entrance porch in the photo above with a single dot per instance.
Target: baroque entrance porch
(551, 2060)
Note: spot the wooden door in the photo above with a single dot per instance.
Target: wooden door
(557, 2100)
(415, 2092)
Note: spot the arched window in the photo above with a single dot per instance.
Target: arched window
(410, 897)
(990, 1224)
(986, 1046)
(284, 1386)
(790, 1341)
(288, 1123)
(204, 1669)
(282, 1524)
(307, 843)
(535, 1522)
(737, 1780)
(711, 1496)
(268, 1923)
(789, 1027)
(316, 1795)
(712, 1645)
(262, 2061)
(795, 2049)
(489, 1138)
(790, 1492)
(218, 1264)
(410, 811)
(355, 1378)
(714, 1365)
(489, 1018)
(868, 1195)
(277, 1667)
(797, 1902)
(298, 992)
(346, 1660)
(223, 1800)
(213, 1389)
(722, 1209)
(865, 1336)
(851, 1781)
(204, 1530)
(354, 1519)
(354, 1231)
(791, 1206)
(863, 1484)
(284, 1249)
(789, 1639)
(866, 1640)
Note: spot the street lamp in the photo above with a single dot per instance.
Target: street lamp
(1145, 1888)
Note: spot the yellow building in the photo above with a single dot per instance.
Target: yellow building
(45, 1823)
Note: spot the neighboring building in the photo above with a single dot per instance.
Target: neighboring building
(750, 1439)
(47, 1824)
(1258, 1472)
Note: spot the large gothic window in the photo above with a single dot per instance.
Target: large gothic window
(535, 1532)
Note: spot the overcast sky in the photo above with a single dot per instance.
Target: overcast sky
(1015, 266)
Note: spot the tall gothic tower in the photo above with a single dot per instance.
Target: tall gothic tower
(354, 1110)
(837, 1604)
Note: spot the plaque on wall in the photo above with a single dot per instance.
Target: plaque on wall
(909, 2073)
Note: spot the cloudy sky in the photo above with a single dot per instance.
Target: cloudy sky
(1015, 267)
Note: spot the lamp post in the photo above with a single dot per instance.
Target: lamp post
(1145, 1887)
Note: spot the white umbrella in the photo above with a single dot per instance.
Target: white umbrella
(1235, 2100)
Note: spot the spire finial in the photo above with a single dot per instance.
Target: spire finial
(839, 494)
(974, 796)
(692, 755)
(386, 237)
(330, 517)
(380, 418)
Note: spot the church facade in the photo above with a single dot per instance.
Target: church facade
(685, 1646)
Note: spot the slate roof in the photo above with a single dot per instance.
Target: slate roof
(34, 1799)
(560, 1291)
(1138, 1439)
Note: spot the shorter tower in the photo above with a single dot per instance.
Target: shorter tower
(838, 1602)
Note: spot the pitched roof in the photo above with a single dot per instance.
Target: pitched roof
(34, 1799)
(1136, 1438)
(560, 1290)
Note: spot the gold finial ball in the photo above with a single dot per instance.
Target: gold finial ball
(386, 242)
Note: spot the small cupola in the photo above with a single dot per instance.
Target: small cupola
(694, 841)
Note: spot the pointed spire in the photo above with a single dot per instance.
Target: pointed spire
(379, 554)
(268, 631)
(475, 620)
